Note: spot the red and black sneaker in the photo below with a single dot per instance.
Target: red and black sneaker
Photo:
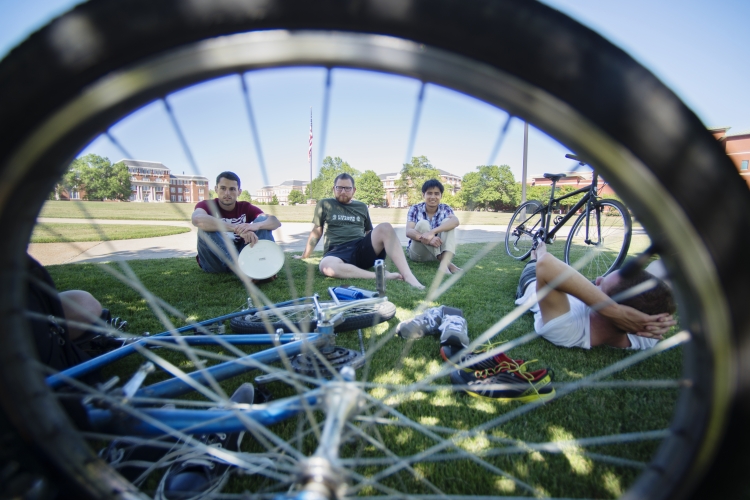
(504, 385)
(482, 360)
(497, 376)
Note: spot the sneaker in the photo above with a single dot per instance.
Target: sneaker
(454, 331)
(478, 361)
(426, 323)
(505, 385)
(205, 474)
(95, 342)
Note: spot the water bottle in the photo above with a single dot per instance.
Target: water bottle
(380, 277)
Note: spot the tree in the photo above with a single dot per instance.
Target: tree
(296, 197)
(413, 175)
(98, 178)
(490, 188)
(274, 200)
(245, 196)
(370, 189)
(455, 201)
(322, 186)
(211, 194)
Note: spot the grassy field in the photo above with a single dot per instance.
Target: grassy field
(66, 233)
(485, 294)
(182, 211)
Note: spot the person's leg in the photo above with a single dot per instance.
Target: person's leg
(527, 276)
(213, 251)
(334, 267)
(383, 237)
(79, 307)
(418, 251)
(447, 251)
(263, 234)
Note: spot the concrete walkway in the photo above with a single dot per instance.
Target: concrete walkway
(291, 236)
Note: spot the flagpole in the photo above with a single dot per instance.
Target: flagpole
(309, 157)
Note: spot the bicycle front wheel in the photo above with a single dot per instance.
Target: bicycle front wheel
(302, 318)
(599, 239)
(526, 221)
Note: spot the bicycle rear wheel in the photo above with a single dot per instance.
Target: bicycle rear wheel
(302, 318)
(599, 239)
(78, 76)
(525, 222)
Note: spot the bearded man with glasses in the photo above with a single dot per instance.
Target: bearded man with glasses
(351, 244)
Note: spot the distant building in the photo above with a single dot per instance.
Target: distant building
(451, 182)
(151, 181)
(576, 180)
(265, 194)
(737, 147)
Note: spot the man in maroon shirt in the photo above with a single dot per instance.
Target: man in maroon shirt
(224, 221)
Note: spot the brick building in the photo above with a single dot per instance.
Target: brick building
(153, 182)
(265, 194)
(737, 147)
(451, 182)
(576, 180)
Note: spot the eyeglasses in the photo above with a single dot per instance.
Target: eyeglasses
(345, 189)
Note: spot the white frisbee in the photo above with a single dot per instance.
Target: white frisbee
(264, 260)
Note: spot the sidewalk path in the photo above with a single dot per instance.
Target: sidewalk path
(291, 236)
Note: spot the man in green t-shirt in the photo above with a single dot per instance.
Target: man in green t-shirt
(351, 245)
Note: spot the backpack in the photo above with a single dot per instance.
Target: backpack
(51, 336)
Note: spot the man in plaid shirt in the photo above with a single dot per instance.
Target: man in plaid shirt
(430, 228)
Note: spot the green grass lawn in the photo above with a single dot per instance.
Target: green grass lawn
(67, 233)
(485, 294)
(182, 211)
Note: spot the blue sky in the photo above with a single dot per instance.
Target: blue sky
(698, 48)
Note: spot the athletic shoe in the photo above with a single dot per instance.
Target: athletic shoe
(515, 384)
(478, 361)
(203, 474)
(454, 331)
(95, 343)
(426, 323)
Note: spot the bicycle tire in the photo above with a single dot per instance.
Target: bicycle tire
(608, 98)
(302, 318)
(518, 242)
(616, 230)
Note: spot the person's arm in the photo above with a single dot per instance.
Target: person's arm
(271, 223)
(203, 220)
(312, 241)
(566, 280)
(412, 233)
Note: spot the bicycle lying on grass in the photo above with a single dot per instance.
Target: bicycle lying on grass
(599, 237)
(76, 79)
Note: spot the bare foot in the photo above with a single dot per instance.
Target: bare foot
(393, 276)
(412, 280)
(453, 268)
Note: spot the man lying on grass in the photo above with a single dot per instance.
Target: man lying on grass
(578, 313)
(573, 313)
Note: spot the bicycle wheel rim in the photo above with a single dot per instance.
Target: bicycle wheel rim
(518, 245)
(696, 271)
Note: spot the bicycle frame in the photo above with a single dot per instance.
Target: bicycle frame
(588, 199)
(285, 346)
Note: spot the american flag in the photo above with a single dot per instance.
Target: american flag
(309, 149)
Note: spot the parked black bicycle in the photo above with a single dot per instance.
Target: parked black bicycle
(598, 240)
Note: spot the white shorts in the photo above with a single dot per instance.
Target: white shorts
(572, 329)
